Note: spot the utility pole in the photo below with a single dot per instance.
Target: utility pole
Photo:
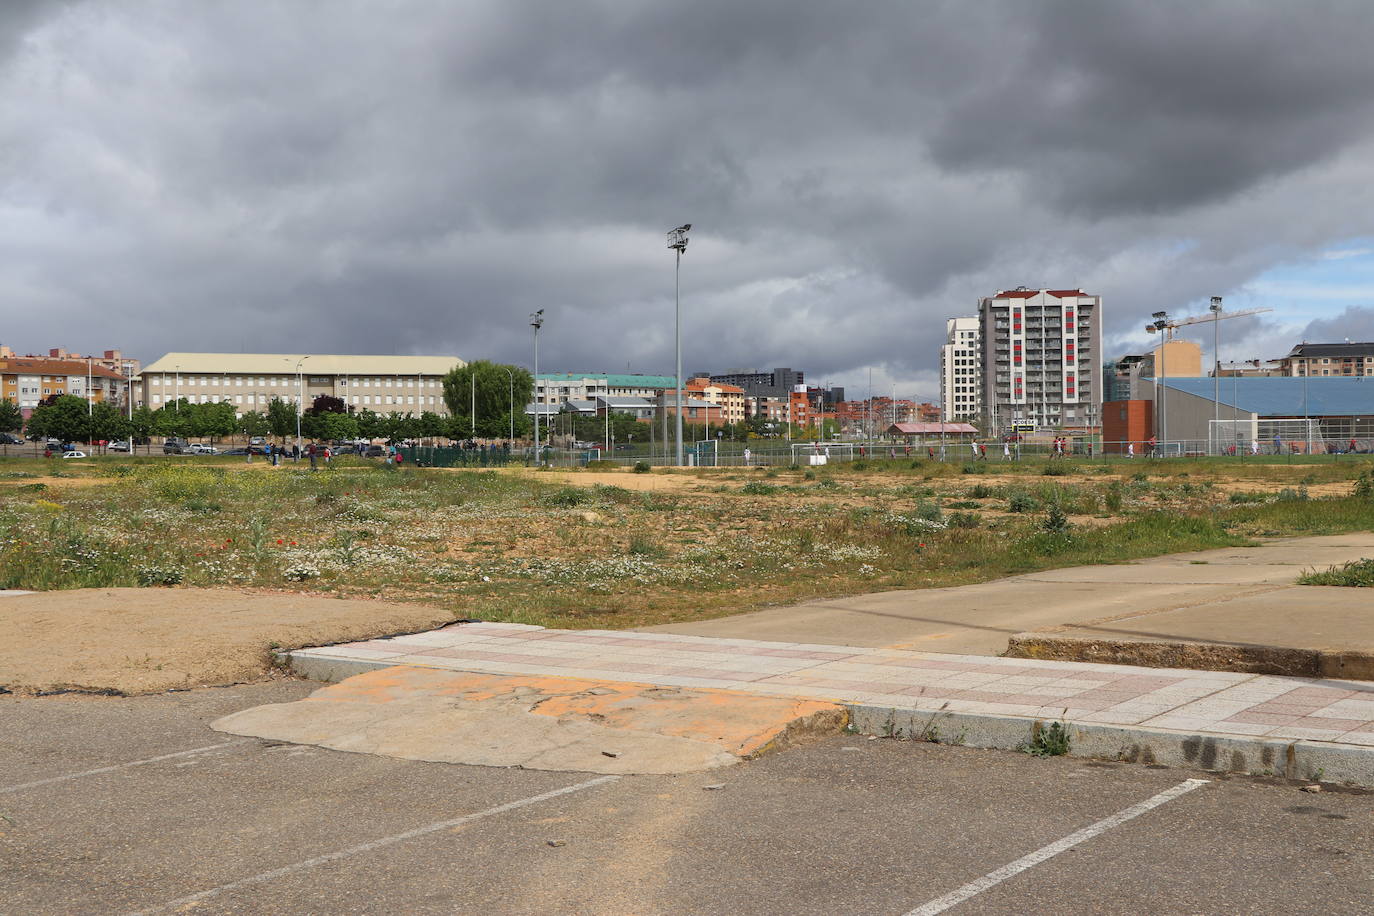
(677, 240)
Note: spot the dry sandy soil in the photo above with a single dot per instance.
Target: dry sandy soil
(134, 640)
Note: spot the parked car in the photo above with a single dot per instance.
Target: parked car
(120, 447)
(375, 451)
(175, 446)
(257, 440)
(10, 439)
(73, 454)
(200, 448)
(242, 450)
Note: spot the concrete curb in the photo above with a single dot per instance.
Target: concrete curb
(1136, 744)
(1350, 665)
(1309, 760)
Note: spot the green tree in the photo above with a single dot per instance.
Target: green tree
(11, 417)
(213, 420)
(432, 425)
(143, 424)
(65, 417)
(496, 389)
(254, 423)
(329, 425)
(174, 419)
(371, 425)
(106, 422)
(281, 417)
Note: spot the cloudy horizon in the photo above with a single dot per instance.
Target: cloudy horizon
(415, 177)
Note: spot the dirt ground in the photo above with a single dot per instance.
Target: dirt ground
(135, 640)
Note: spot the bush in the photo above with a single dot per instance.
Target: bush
(1364, 486)
(1112, 498)
(566, 497)
(1022, 502)
(981, 491)
(1054, 470)
(975, 468)
(1359, 574)
(758, 488)
(1241, 496)
(1056, 521)
(964, 520)
(641, 467)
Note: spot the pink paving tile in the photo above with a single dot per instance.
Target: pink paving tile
(930, 693)
(1285, 709)
(1325, 694)
(1344, 725)
(1259, 718)
(717, 674)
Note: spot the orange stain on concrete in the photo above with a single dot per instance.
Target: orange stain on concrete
(743, 724)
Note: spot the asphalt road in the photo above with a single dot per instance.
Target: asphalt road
(849, 825)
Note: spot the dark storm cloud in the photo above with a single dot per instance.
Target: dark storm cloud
(418, 177)
(1354, 323)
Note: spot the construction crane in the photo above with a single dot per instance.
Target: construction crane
(1166, 326)
(1170, 324)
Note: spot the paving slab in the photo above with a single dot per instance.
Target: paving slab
(979, 619)
(540, 723)
(1229, 720)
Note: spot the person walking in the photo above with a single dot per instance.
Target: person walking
(747, 456)
(1006, 451)
(1130, 449)
(310, 451)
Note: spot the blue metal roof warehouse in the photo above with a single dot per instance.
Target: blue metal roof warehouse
(1288, 396)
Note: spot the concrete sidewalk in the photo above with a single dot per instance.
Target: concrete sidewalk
(1304, 728)
(1235, 595)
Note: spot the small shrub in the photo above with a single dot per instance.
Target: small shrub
(964, 520)
(1022, 502)
(1364, 486)
(1054, 470)
(1358, 574)
(758, 488)
(601, 464)
(1140, 477)
(566, 497)
(1241, 496)
(980, 491)
(1112, 498)
(859, 465)
(148, 576)
(1049, 740)
(965, 504)
(643, 546)
(1290, 494)
(975, 468)
(1056, 521)
(809, 475)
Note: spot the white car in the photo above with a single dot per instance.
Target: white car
(73, 454)
(120, 447)
(198, 448)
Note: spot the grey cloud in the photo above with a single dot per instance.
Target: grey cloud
(259, 176)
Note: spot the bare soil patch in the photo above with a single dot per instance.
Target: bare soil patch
(147, 640)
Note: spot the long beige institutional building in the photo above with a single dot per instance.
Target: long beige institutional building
(249, 381)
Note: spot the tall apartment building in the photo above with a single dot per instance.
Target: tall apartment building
(1345, 359)
(1041, 355)
(961, 370)
(250, 381)
(778, 383)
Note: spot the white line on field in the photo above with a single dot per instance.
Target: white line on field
(119, 766)
(368, 847)
(991, 879)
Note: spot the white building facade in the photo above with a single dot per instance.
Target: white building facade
(1042, 358)
(961, 370)
(251, 381)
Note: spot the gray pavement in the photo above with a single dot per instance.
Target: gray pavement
(848, 825)
(1201, 586)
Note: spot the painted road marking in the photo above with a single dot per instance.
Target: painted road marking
(368, 847)
(991, 879)
(120, 766)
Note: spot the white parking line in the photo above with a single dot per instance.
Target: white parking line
(991, 879)
(368, 847)
(119, 766)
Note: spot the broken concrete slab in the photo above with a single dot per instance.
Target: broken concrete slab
(542, 723)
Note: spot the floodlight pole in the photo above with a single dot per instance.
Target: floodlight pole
(536, 322)
(677, 240)
(1215, 309)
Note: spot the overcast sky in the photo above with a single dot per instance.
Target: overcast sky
(386, 176)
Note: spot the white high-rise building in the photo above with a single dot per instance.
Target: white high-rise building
(1042, 358)
(961, 370)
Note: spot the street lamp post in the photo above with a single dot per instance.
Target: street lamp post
(677, 241)
(300, 399)
(536, 322)
(1215, 308)
(1161, 324)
